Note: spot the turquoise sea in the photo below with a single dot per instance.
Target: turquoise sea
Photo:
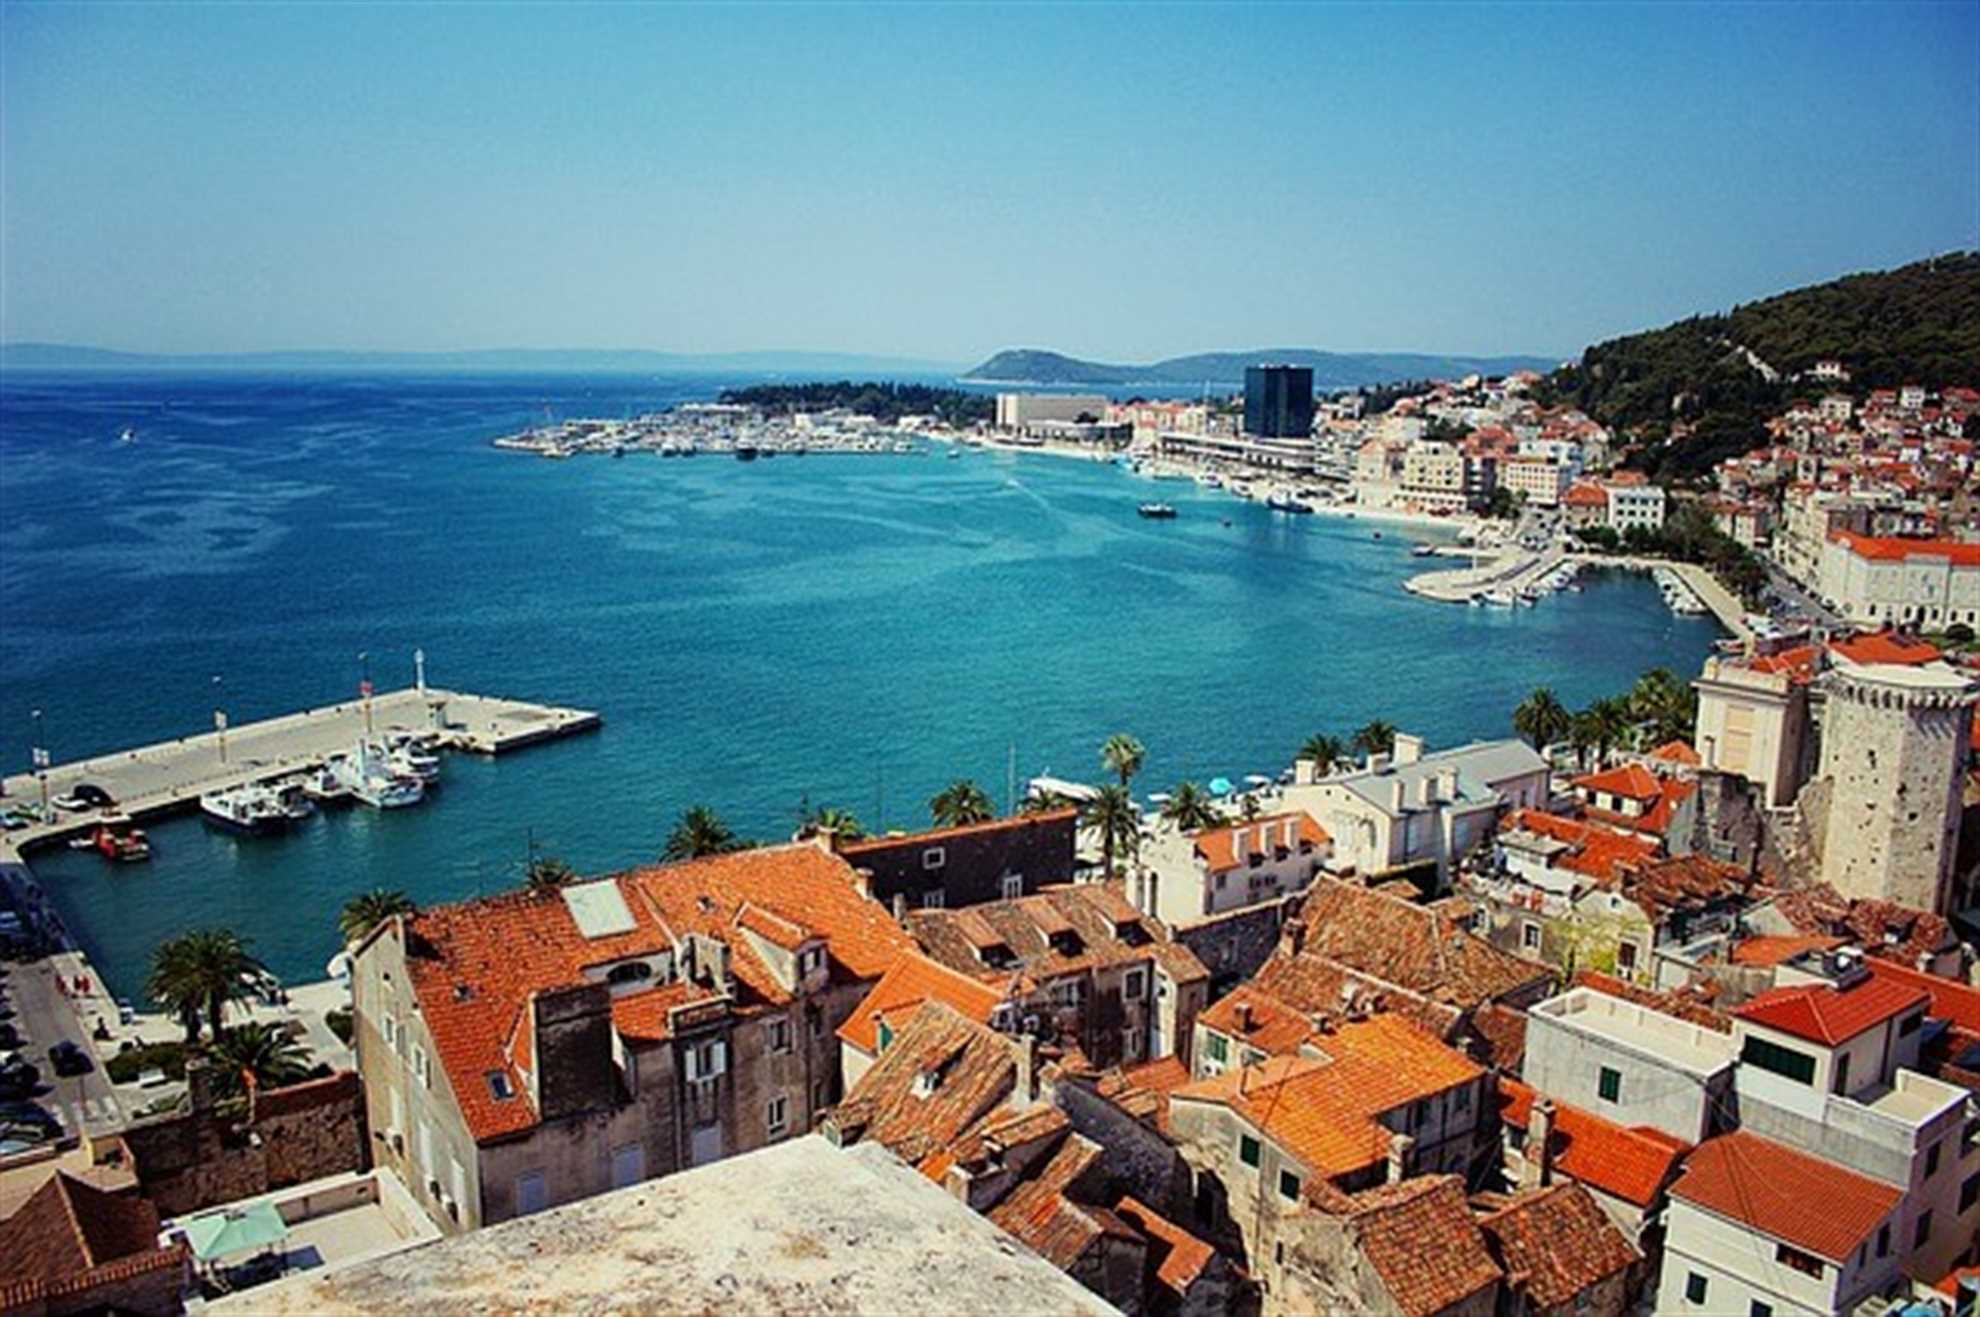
(850, 630)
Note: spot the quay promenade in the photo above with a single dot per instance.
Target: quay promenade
(1516, 571)
(171, 775)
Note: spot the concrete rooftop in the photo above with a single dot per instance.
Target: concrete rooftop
(798, 1228)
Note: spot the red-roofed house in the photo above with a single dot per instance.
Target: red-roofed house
(1408, 1249)
(534, 1048)
(1829, 1065)
(1878, 580)
(1187, 876)
(911, 980)
(1754, 1224)
(1634, 799)
(1627, 1169)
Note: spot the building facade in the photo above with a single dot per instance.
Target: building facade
(1278, 401)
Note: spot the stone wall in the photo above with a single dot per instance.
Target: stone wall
(1236, 945)
(1036, 847)
(215, 1155)
(1139, 1159)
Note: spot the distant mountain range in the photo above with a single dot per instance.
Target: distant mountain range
(62, 356)
(1331, 370)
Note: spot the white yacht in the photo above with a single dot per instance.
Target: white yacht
(251, 809)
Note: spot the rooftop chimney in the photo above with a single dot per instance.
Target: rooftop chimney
(1395, 795)
(1539, 1169)
(1408, 749)
(900, 907)
(1244, 1016)
(1399, 1146)
(1306, 772)
(1025, 1091)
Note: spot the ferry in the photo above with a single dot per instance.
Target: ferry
(250, 809)
(1157, 511)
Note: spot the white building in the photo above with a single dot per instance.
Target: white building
(1630, 1064)
(1636, 506)
(1433, 477)
(1872, 580)
(1753, 721)
(1541, 481)
(1410, 807)
(1186, 876)
(1015, 411)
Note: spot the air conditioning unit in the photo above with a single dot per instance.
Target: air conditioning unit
(432, 1187)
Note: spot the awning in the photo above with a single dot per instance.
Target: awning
(1220, 786)
(221, 1234)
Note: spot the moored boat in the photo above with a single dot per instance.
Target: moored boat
(1157, 511)
(250, 809)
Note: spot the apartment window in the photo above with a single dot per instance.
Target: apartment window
(1066, 992)
(1289, 1186)
(933, 899)
(1909, 1024)
(1529, 936)
(1924, 1231)
(1011, 886)
(1248, 1150)
(1969, 1192)
(1626, 957)
(390, 1025)
(1932, 1161)
(419, 1066)
(499, 1086)
(707, 1061)
(1842, 1073)
(1782, 1061)
(1796, 1260)
(1609, 1084)
(1883, 1241)
(1216, 1047)
(780, 1035)
(1131, 1041)
(1463, 1099)
(1694, 1288)
(776, 1116)
(934, 857)
(1759, 1309)
(1135, 985)
(531, 1195)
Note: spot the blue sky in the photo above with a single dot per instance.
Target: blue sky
(1124, 183)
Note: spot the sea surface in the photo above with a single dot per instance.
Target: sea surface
(847, 630)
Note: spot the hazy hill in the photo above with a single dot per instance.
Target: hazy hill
(1331, 370)
(1918, 324)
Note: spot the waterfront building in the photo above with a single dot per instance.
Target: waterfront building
(1635, 506)
(1278, 402)
(1378, 471)
(1148, 420)
(1410, 807)
(1018, 411)
(1434, 477)
(1091, 971)
(996, 860)
(1181, 877)
(1540, 481)
(533, 1048)
(1585, 504)
(1880, 580)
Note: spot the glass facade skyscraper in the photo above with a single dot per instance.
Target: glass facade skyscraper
(1278, 401)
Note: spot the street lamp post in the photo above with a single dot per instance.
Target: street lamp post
(41, 765)
(220, 716)
(364, 688)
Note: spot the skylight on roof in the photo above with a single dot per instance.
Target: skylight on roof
(598, 909)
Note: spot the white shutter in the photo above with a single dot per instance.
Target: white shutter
(693, 1064)
(718, 1062)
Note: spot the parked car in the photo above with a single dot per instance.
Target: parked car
(10, 1037)
(18, 1076)
(70, 1059)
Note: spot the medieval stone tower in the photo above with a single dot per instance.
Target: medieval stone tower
(1894, 748)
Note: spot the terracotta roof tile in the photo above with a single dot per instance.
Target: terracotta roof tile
(1691, 1004)
(1595, 851)
(1408, 945)
(1890, 548)
(1631, 1164)
(1950, 999)
(1803, 1200)
(1775, 950)
(1177, 1256)
(1884, 647)
(1060, 930)
(1883, 929)
(66, 1230)
(1822, 1013)
(1631, 781)
(1220, 847)
(911, 980)
(1044, 1215)
(976, 1072)
(1420, 1238)
(1255, 1018)
(1556, 1243)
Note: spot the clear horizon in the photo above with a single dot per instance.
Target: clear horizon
(942, 183)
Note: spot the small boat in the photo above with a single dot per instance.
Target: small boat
(954, 453)
(1377, 535)
(121, 840)
(1476, 601)
(1280, 501)
(1422, 550)
(251, 809)
(1157, 511)
(127, 435)
(745, 452)
(1498, 598)
(618, 450)
(369, 778)
(324, 786)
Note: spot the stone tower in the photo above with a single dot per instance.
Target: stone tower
(1894, 748)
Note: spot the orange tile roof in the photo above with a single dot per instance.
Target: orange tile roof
(1657, 820)
(1405, 944)
(1822, 1013)
(475, 965)
(976, 1073)
(1420, 1238)
(1807, 1202)
(1779, 949)
(1950, 999)
(1556, 1243)
(1883, 647)
(1631, 1164)
(1163, 1076)
(1183, 1255)
(1677, 752)
(911, 980)
(1598, 851)
(1105, 929)
(1323, 1112)
(787, 934)
(1220, 847)
(67, 1229)
(1631, 781)
(1584, 494)
(1890, 548)
(1255, 1018)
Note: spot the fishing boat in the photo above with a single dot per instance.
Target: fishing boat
(1157, 511)
(127, 435)
(1498, 598)
(1281, 501)
(121, 840)
(324, 785)
(250, 809)
(368, 776)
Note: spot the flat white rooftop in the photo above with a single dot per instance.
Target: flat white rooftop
(798, 1228)
(1662, 1037)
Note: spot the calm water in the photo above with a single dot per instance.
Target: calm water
(860, 630)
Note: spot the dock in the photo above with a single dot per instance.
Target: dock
(171, 775)
(1519, 570)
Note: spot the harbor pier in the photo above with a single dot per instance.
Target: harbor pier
(171, 775)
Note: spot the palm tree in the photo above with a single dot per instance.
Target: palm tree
(1112, 811)
(367, 910)
(1541, 718)
(547, 873)
(1190, 808)
(698, 832)
(1656, 692)
(1613, 726)
(206, 968)
(1043, 802)
(1123, 755)
(1325, 751)
(842, 823)
(1584, 734)
(265, 1051)
(960, 803)
(1375, 738)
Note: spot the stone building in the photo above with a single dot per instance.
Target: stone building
(534, 1048)
(1894, 750)
(996, 860)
